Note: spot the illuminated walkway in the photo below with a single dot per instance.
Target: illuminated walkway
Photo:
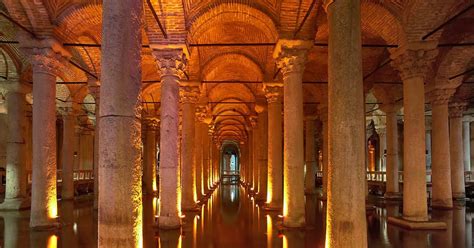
(231, 219)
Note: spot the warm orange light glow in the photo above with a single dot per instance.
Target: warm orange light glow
(285, 242)
(269, 189)
(269, 231)
(53, 208)
(53, 241)
(195, 226)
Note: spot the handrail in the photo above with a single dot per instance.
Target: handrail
(381, 176)
(77, 175)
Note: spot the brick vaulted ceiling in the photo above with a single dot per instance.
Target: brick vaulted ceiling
(192, 22)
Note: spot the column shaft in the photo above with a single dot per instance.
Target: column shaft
(149, 159)
(346, 219)
(16, 181)
(67, 186)
(310, 157)
(456, 148)
(275, 131)
(120, 168)
(392, 185)
(198, 160)
(188, 171)
(263, 153)
(440, 170)
(466, 134)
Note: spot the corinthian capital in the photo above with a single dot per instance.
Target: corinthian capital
(291, 55)
(171, 62)
(273, 92)
(414, 60)
(189, 94)
(440, 96)
(456, 109)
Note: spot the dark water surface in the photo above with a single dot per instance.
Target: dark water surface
(231, 219)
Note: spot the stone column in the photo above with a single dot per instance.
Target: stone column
(392, 185)
(149, 155)
(48, 59)
(428, 131)
(254, 152)
(291, 58)
(456, 148)
(440, 169)
(205, 154)
(346, 127)
(69, 125)
(466, 136)
(323, 113)
(189, 95)
(171, 63)
(200, 127)
(273, 92)
(94, 89)
(262, 151)
(120, 168)
(413, 61)
(382, 165)
(16, 182)
(310, 156)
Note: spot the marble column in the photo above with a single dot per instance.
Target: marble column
(94, 89)
(440, 169)
(382, 165)
(200, 128)
(262, 151)
(189, 95)
(149, 155)
(413, 61)
(346, 127)
(171, 63)
(48, 60)
(291, 59)
(466, 137)
(254, 152)
(428, 132)
(120, 168)
(392, 185)
(205, 154)
(273, 92)
(310, 156)
(16, 197)
(323, 113)
(456, 148)
(69, 125)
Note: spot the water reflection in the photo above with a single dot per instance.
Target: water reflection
(230, 218)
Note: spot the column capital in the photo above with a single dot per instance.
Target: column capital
(151, 123)
(468, 118)
(253, 121)
(46, 55)
(171, 62)
(273, 91)
(71, 111)
(456, 109)
(414, 59)
(390, 107)
(440, 96)
(189, 94)
(291, 55)
(202, 114)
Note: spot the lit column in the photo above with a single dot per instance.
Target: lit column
(291, 58)
(171, 63)
(16, 182)
(150, 125)
(440, 168)
(382, 131)
(250, 156)
(254, 152)
(323, 115)
(188, 95)
(69, 125)
(262, 151)
(94, 89)
(346, 128)
(48, 59)
(200, 131)
(273, 92)
(428, 142)
(466, 136)
(456, 147)
(310, 156)
(413, 61)
(205, 154)
(120, 168)
(392, 185)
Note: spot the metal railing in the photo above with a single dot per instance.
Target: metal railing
(77, 175)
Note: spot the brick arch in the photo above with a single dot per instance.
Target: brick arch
(421, 16)
(76, 22)
(32, 14)
(11, 59)
(237, 13)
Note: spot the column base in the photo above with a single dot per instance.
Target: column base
(393, 196)
(442, 204)
(15, 204)
(46, 226)
(459, 196)
(168, 223)
(272, 207)
(310, 192)
(417, 225)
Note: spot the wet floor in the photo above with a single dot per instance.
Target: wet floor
(231, 219)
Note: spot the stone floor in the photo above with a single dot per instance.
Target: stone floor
(231, 219)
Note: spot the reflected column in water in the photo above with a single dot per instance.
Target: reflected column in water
(443, 238)
(170, 239)
(459, 225)
(293, 238)
(13, 235)
(68, 236)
